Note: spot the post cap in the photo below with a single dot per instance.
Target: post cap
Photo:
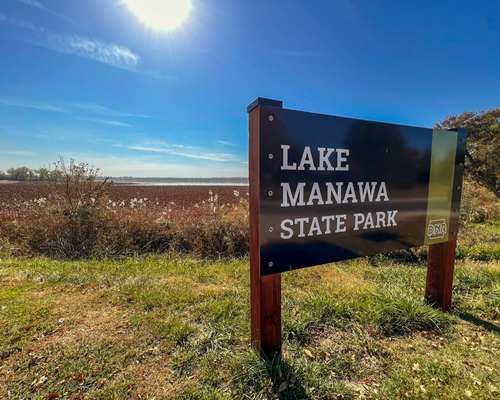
(261, 101)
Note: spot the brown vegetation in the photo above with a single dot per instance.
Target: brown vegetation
(482, 156)
(82, 216)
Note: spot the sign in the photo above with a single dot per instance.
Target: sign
(333, 188)
(325, 188)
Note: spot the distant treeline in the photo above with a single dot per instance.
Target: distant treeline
(28, 174)
(228, 180)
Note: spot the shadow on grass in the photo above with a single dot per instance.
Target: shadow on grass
(489, 326)
(286, 381)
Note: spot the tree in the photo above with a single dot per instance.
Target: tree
(43, 174)
(20, 174)
(482, 156)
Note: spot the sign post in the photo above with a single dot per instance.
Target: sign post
(440, 266)
(265, 291)
(326, 188)
(445, 192)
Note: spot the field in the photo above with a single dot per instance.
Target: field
(18, 197)
(81, 220)
(176, 326)
(183, 196)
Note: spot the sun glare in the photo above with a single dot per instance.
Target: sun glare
(160, 15)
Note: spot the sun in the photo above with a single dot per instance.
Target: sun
(160, 15)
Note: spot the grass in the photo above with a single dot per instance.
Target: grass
(480, 241)
(178, 328)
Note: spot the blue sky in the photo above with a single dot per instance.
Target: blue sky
(86, 79)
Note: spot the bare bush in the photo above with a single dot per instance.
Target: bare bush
(77, 186)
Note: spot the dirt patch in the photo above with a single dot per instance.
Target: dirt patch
(82, 314)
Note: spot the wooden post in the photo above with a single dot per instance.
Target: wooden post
(265, 291)
(441, 256)
(440, 266)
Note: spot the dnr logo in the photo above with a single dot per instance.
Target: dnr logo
(437, 229)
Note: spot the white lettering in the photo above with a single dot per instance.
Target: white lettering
(380, 219)
(297, 199)
(382, 192)
(331, 192)
(341, 159)
(366, 191)
(314, 228)
(285, 165)
(307, 158)
(301, 221)
(341, 227)
(368, 222)
(284, 227)
(315, 195)
(391, 221)
(358, 219)
(325, 159)
(349, 193)
(327, 219)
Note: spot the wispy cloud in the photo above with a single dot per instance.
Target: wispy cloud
(40, 6)
(109, 122)
(75, 136)
(90, 109)
(106, 53)
(160, 76)
(113, 165)
(225, 143)
(20, 153)
(31, 105)
(111, 54)
(32, 3)
(96, 50)
(19, 23)
(198, 154)
(93, 108)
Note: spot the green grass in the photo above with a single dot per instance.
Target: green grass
(480, 241)
(178, 328)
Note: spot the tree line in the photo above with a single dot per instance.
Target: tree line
(26, 174)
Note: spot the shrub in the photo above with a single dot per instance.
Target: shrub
(64, 234)
(477, 205)
(399, 313)
(214, 238)
(72, 224)
(482, 155)
(78, 186)
(100, 233)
